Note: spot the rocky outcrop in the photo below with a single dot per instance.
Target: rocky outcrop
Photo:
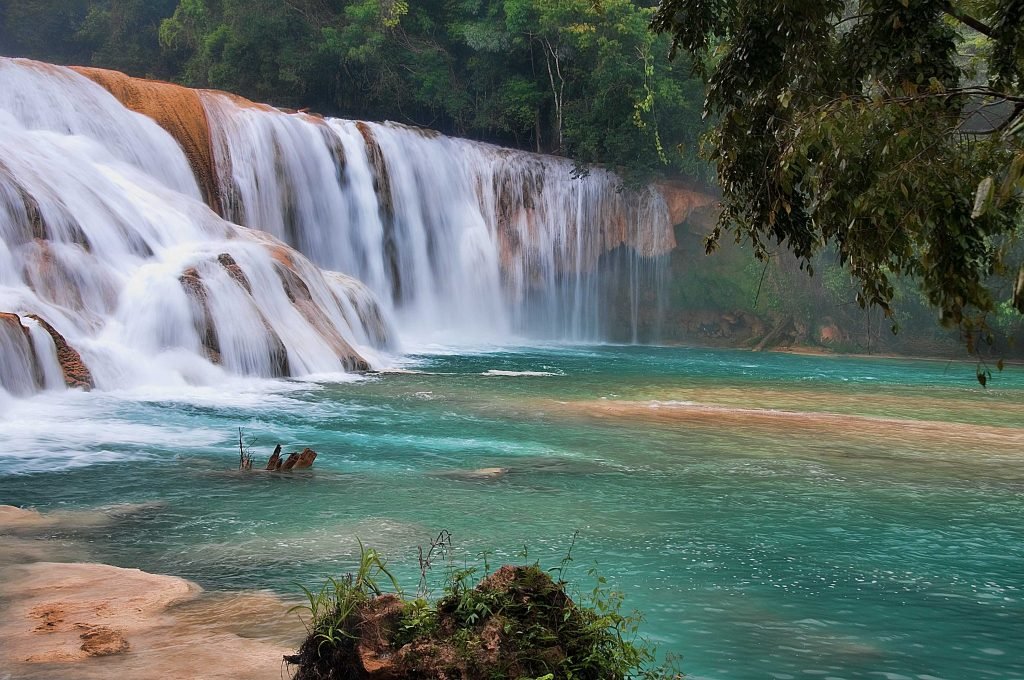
(234, 271)
(287, 266)
(683, 199)
(526, 627)
(206, 325)
(20, 373)
(202, 318)
(299, 295)
(76, 373)
(177, 109)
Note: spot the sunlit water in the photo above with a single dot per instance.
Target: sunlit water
(883, 542)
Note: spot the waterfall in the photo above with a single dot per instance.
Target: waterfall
(152, 234)
(459, 239)
(104, 238)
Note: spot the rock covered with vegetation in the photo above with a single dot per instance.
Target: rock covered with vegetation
(515, 623)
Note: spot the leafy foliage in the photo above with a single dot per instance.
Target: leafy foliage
(574, 77)
(850, 125)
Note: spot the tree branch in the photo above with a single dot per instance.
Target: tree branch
(966, 19)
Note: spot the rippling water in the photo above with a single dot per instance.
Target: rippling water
(774, 516)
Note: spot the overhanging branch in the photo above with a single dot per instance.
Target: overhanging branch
(966, 19)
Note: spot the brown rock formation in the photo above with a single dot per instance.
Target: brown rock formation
(76, 373)
(522, 599)
(204, 322)
(298, 293)
(385, 199)
(206, 327)
(682, 200)
(234, 271)
(14, 321)
(16, 340)
(176, 109)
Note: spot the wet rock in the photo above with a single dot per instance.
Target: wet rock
(202, 318)
(102, 641)
(480, 474)
(234, 271)
(76, 373)
(299, 295)
(176, 109)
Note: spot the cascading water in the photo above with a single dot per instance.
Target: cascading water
(104, 236)
(116, 252)
(463, 240)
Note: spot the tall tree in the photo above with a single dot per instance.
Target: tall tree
(864, 124)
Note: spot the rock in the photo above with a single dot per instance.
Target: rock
(234, 271)
(480, 474)
(830, 333)
(178, 110)
(102, 641)
(202, 318)
(299, 295)
(457, 648)
(76, 373)
(682, 200)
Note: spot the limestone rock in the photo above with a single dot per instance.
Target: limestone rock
(76, 373)
(178, 110)
(234, 271)
(203, 319)
(683, 199)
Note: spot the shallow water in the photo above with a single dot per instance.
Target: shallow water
(863, 522)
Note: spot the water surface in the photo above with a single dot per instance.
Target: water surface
(774, 516)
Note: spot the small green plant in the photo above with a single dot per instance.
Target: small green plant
(333, 608)
(517, 623)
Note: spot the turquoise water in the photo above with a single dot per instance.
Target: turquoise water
(864, 522)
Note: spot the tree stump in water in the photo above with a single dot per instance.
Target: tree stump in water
(275, 459)
(306, 459)
(294, 461)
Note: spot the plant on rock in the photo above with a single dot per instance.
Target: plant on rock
(517, 623)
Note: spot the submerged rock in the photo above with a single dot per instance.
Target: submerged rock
(478, 474)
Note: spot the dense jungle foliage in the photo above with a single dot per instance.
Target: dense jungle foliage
(577, 78)
(890, 132)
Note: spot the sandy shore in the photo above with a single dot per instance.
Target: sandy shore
(85, 620)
